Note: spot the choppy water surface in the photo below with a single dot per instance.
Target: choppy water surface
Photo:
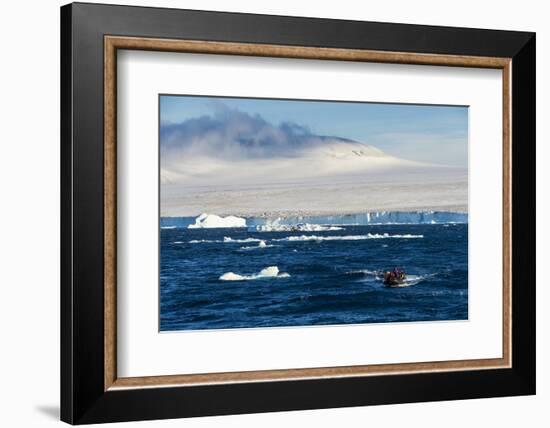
(237, 277)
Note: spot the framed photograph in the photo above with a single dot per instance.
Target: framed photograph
(266, 213)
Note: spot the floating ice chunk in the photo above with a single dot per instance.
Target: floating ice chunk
(214, 221)
(268, 272)
(230, 276)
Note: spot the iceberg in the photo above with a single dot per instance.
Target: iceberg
(208, 221)
(268, 272)
(308, 223)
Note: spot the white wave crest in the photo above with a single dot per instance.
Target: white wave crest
(363, 271)
(261, 244)
(167, 227)
(268, 272)
(209, 221)
(299, 227)
(410, 280)
(226, 240)
(378, 276)
(305, 238)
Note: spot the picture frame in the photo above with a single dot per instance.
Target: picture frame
(91, 390)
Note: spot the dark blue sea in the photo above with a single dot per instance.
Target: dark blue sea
(224, 278)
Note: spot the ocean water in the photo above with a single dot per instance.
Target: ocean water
(242, 278)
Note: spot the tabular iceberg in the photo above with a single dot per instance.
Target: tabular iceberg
(214, 221)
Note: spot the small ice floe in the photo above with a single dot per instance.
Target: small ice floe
(268, 272)
(209, 221)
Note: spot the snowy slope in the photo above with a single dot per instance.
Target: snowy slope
(335, 157)
(334, 175)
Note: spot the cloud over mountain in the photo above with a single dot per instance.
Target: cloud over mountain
(232, 162)
(234, 148)
(233, 134)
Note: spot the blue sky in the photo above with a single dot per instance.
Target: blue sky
(433, 134)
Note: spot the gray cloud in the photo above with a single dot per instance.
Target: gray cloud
(233, 134)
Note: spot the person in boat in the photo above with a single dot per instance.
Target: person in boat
(395, 276)
(399, 274)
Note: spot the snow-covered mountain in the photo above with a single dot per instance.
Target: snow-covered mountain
(333, 157)
(338, 176)
(234, 163)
